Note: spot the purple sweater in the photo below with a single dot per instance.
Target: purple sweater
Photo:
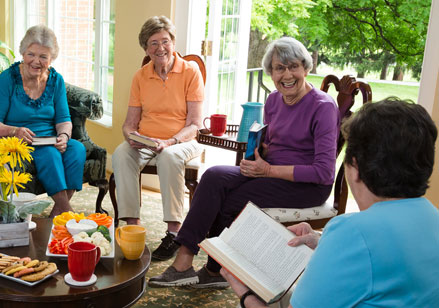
(304, 135)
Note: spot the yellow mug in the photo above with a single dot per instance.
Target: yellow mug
(131, 240)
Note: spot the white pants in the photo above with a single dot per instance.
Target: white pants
(127, 164)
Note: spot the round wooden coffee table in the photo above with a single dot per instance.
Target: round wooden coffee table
(120, 282)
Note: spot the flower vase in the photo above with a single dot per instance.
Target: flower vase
(252, 112)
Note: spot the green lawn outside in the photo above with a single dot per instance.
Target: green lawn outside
(380, 90)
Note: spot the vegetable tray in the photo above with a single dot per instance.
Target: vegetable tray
(111, 255)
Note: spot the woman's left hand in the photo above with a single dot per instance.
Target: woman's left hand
(61, 143)
(255, 169)
(236, 285)
(162, 144)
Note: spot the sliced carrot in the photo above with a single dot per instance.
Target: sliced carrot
(101, 219)
(60, 232)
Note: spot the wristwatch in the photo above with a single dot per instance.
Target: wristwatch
(244, 296)
(176, 140)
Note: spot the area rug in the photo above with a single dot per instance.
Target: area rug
(151, 218)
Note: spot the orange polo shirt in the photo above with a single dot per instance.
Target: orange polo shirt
(164, 107)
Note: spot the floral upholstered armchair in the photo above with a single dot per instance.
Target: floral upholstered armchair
(83, 104)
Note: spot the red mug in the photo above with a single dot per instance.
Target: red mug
(82, 259)
(218, 123)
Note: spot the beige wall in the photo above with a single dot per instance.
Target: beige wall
(128, 55)
(429, 90)
(4, 22)
(433, 191)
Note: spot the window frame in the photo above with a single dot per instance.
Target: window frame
(21, 22)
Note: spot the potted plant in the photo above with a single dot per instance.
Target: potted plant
(13, 226)
(4, 60)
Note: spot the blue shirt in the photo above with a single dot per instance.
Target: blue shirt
(385, 256)
(40, 115)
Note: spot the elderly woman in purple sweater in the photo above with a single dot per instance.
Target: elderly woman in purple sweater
(296, 170)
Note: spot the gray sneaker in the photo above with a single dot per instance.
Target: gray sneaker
(206, 281)
(172, 278)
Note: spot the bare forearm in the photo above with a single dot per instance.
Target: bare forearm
(7, 130)
(187, 133)
(281, 172)
(128, 128)
(132, 120)
(64, 128)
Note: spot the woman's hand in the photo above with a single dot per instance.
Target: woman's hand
(163, 144)
(61, 143)
(24, 133)
(240, 289)
(236, 285)
(135, 144)
(255, 169)
(304, 235)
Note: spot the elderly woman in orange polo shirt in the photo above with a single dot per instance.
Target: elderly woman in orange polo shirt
(165, 105)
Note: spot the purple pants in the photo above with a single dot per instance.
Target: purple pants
(223, 192)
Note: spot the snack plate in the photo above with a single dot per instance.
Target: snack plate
(28, 283)
(111, 255)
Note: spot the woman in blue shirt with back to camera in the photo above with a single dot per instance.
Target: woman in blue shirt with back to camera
(34, 103)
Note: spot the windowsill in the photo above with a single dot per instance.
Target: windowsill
(106, 121)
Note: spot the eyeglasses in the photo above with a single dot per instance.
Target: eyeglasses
(156, 44)
(280, 68)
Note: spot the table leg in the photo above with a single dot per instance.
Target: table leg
(239, 157)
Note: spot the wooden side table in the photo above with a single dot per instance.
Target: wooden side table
(225, 142)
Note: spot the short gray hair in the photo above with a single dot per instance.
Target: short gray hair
(288, 50)
(41, 35)
(154, 25)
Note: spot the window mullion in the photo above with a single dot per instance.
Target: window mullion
(98, 44)
(51, 14)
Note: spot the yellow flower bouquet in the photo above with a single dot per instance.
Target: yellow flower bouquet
(12, 153)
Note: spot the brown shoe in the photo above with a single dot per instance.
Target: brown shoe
(206, 281)
(173, 278)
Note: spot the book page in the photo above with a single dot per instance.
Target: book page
(263, 242)
(237, 264)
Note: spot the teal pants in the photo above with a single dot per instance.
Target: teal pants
(59, 171)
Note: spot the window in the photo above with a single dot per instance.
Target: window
(85, 33)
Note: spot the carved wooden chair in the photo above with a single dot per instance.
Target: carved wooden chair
(192, 166)
(348, 87)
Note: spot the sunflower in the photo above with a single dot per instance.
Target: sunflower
(16, 149)
(18, 179)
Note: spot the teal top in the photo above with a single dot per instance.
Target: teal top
(39, 115)
(385, 256)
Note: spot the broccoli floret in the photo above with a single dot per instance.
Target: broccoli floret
(105, 232)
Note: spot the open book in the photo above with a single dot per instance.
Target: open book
(144, 140)
(254, 249)
(256, 137)
(43, 140)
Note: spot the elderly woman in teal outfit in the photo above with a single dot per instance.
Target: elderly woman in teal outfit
(34, 103)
